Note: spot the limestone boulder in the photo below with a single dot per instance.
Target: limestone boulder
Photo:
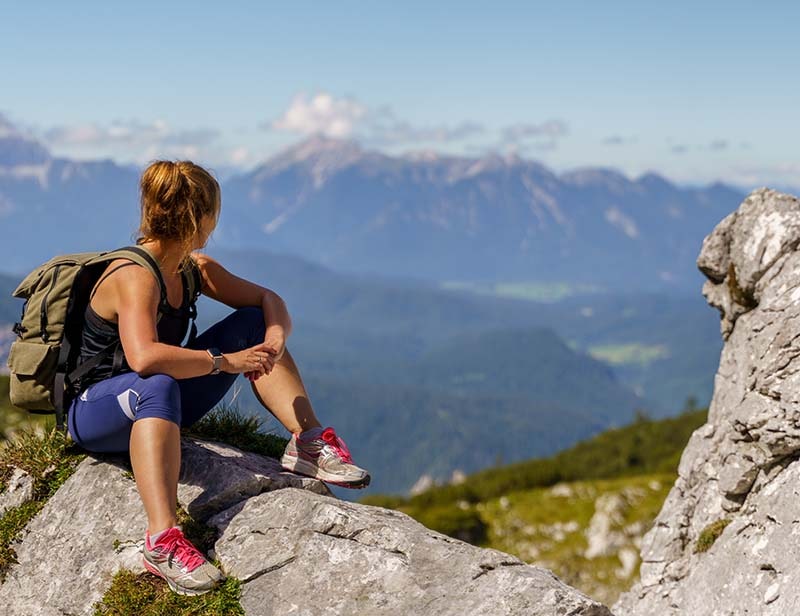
(741, 468)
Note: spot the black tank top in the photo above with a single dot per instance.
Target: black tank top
(98, 333)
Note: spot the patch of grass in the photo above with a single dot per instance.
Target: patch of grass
(710, 534)
(148, 595)
(629, 354)
(549, 529)
(542, 291)
(464, 524)
(229, 425)
(642, 447)
(49, 458)
(37, 452)
(530, 291)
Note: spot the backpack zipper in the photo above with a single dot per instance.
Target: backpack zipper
(45, 335)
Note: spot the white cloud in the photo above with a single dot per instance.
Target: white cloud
(525, 137)
(384, 128)
(130, 132)
(321, 114)
(347, 118)
(133, 141)
(551, 129)
(239, 156)
(782, 175)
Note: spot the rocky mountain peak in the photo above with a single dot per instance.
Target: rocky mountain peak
(654, 181)
(318, 155)
(318, 146)
(725, 541)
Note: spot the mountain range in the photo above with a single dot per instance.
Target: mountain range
(449, 312)
(425, 216)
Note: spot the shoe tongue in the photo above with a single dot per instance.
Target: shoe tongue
(163, 533)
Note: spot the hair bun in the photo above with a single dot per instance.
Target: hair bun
(175, 196)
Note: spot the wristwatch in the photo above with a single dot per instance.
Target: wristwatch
(216, 355)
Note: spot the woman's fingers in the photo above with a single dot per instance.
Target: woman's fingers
(258, 360)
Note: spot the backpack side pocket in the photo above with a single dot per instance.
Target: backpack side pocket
(33, 366)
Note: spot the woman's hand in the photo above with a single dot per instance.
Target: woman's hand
(275, 343)
(256, 360)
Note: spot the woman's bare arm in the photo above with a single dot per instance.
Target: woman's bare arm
(137, 296)
(236, 292)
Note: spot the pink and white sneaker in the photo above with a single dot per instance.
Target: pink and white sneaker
(182, 565)
(323, 455)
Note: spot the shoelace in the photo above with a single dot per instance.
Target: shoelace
(330, 437)
(181, 549)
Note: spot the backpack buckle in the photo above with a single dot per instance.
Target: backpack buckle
(18, 329)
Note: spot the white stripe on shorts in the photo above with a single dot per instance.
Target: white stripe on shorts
(124, 400)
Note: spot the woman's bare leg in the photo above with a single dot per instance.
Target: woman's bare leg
(283, 394)
(155, 451)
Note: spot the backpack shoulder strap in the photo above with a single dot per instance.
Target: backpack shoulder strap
(194, 280)
(139, 255)
(106, 275)
(194, 286)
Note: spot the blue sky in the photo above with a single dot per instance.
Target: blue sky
(695, 91)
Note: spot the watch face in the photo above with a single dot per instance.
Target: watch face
(216, 356)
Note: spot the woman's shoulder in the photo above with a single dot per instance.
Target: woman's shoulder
(126, 274)
(122, 283)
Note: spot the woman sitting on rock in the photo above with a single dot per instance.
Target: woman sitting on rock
(139, 402)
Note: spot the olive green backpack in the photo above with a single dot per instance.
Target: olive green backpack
(45, 375)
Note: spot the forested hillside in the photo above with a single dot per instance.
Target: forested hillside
(581, 513)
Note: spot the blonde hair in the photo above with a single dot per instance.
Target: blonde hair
(175, 196)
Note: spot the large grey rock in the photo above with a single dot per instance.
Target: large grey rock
(215, 476)
(289, 540)
(743, 464)
(68, 555)
(94, 525)
(301, 553)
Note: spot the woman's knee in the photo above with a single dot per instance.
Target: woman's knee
(251, 319)
(160, 396)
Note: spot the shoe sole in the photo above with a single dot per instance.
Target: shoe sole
(174, 587)
(301, 467)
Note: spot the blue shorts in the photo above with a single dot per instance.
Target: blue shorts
(100, 419)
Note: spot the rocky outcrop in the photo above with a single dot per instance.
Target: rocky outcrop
(356, 559)
(743, 466)
(94, 524)
(295, 547)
